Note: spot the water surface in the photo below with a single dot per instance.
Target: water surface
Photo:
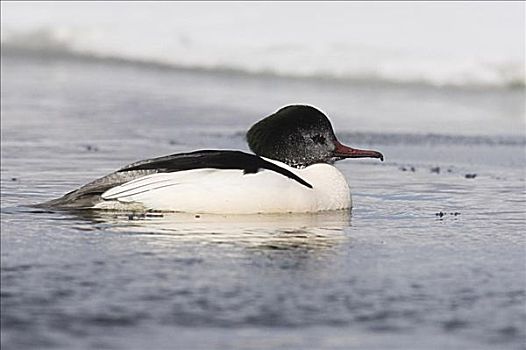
(428, 259)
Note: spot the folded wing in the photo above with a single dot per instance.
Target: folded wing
(152, 175)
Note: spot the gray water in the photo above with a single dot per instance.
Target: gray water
(428, 259)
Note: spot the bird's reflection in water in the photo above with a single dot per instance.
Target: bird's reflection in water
(268, 231)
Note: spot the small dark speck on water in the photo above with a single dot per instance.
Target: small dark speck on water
(441, 213)
(197, 216)
(14, 179)
(412, 168)
(470, 176)
(173, 142)
(435, 170)
(91, 148)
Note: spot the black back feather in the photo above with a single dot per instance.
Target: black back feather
(216, 159)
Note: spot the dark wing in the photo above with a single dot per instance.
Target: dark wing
(216, 159)
(90, 194)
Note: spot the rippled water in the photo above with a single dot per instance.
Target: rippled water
(428, 259)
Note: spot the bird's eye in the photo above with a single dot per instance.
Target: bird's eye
(318, 139)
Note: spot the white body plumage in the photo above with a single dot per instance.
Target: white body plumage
(230, 191)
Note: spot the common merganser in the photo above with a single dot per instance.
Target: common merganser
(291, 172)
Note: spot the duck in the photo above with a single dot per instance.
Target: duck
(291, 170)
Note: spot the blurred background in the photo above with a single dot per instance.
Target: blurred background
(473, 50)
(460, 44)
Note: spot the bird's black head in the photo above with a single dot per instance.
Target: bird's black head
(299, 136)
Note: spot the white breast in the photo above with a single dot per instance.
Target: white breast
(221, 191)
